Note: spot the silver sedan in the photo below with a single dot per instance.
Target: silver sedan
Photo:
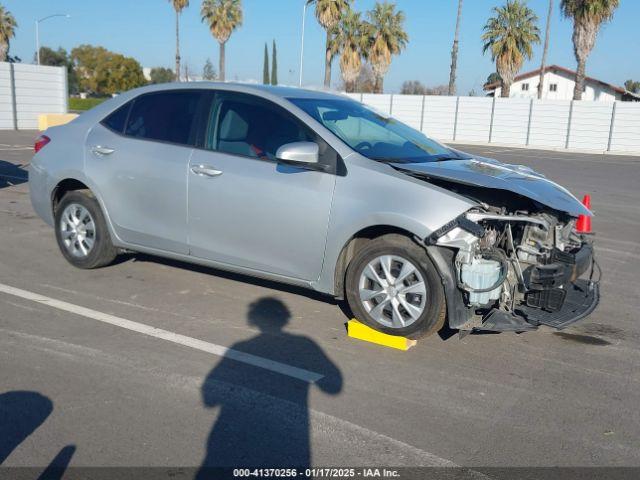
(316, 190)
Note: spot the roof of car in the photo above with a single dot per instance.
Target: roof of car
(278, 91)
(294, 92)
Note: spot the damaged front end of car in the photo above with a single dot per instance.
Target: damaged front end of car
(516, 262)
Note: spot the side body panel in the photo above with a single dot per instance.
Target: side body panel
(259, 214)
(143, 185)
(374, 194)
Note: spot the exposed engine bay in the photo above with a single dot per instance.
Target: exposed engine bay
(519, 266)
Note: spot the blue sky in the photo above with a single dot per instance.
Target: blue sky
(144, 29)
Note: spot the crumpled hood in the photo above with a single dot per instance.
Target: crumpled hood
(486, 172)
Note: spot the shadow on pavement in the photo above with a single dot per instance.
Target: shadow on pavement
(57, 467)
(238, 277)
(12, 174)
(21, 414)
(263, 416)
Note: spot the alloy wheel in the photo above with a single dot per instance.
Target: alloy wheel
(77, 230)
(392, 291)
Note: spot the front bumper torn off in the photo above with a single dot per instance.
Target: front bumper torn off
(582, 298)
(557, 296)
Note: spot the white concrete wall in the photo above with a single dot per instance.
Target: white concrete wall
(626, 128)
(6, 102)
(564, 89)
(37, 90)
(561, 124)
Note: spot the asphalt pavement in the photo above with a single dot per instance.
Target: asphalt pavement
(151, 362)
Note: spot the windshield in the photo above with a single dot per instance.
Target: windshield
(374, 135)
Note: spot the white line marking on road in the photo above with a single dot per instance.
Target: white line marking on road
(219, 350)
(625, 253)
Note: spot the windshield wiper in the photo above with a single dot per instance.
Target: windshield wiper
(446, 157)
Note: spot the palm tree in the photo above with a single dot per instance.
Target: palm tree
(329, 13)
(545, 52)
(223, 17)
(8, 27)
(588, 16)
(386, 38)
(350, 36)
(178, 6)
(454, 52)
(510, 36)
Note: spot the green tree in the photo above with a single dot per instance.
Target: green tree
(366, 81)
(587, 16)
(413, 87)
(162, 75)
(209, 72)
(8, 27)
(60, 58)
(329, 13)
(631, 86)
(493, 78)
(545, 51)
(509, 36)
(386, 37)
(274, 65)
(265, 67)
(454, 52)
(223, 17)
(178, 6)
(351, 37)
(103, 72)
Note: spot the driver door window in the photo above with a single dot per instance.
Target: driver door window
(252, 128)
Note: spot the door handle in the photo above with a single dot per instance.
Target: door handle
(100, 150)
(205, 171)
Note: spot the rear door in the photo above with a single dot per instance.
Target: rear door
(139, 158)
(245, 208)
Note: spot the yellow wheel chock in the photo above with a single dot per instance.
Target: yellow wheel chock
(358, 330)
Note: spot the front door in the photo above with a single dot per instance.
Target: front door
(245, 208)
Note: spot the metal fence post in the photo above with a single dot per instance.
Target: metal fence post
(569, 124)
(424, 100)
(613, 123)
(65, 91)
(493, 111)
(529, 125)
(455, 122)
(391, 105)
(14, 102)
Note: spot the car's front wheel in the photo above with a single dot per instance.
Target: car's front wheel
(81, 231)
(392, 286)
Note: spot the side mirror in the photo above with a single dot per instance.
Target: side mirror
(299, 152)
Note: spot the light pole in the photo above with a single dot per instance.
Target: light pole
(38, 22)
(304, 17)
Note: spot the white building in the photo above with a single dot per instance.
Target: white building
(559, 83)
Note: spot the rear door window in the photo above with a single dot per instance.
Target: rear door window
(165, 117)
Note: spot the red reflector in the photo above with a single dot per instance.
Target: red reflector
(41, 141)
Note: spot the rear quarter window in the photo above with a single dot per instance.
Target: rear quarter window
(117, 119)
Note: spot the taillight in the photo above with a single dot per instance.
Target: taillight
(41, 141)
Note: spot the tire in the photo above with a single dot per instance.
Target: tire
(82, 233)
(427, 306)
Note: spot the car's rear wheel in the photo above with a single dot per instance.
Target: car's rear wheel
(392, 286)
(81, 231)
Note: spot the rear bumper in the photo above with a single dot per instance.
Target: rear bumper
(39, 192)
